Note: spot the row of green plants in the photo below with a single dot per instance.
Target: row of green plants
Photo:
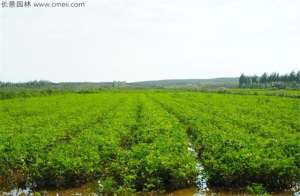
(9, 93)
(131, 141)
(30, 128)
(263, 92)
(124, 140)
(241, 140)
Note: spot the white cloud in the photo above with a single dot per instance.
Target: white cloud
(150, 39)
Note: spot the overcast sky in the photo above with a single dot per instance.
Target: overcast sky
(137, 40)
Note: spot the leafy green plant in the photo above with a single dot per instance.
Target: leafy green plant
(256, 189)
(139, 140)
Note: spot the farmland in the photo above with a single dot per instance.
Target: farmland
(140, 140)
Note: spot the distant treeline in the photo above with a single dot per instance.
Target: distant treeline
(291, 80)
(35, 83)
(75, 86)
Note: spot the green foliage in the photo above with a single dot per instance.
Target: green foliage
(291, 80)
(256, 189)
(138, 140)
(241, 139)
(9, 93)
(263, 92)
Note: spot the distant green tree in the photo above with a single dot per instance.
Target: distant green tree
(242, 81)
(298, 76)
(254, 80)
(264, 79)
(292, 77)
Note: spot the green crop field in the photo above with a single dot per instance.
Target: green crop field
(140, 140)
